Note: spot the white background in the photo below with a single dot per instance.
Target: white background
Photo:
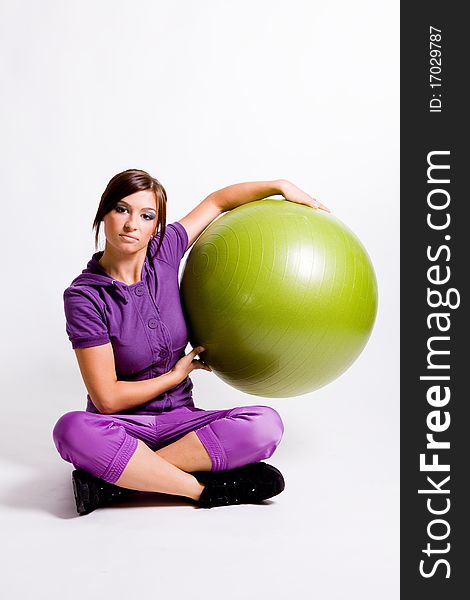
(202, 95)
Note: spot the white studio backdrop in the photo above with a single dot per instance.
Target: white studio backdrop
(202, 95)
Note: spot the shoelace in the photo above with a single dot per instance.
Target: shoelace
(108, 493)
(233, 491)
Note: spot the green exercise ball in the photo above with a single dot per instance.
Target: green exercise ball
(282, 296)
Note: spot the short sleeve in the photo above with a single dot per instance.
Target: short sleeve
(85, 324)
(174, 245)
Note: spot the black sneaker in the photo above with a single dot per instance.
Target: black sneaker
(91, 492)
(245, 485)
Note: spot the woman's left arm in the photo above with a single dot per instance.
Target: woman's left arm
(237, 194)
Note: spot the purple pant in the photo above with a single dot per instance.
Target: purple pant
(104, 444)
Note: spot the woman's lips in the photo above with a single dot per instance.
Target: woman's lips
(128, 238)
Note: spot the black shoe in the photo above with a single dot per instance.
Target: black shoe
(245, 485)
(91, 492)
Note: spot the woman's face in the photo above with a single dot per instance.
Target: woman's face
(130, 224)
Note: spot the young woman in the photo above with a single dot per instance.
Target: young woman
(141, 430)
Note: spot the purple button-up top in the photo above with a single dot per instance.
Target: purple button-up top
(144, 322)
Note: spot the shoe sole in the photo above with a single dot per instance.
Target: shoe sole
(86, 489)
(82, 493)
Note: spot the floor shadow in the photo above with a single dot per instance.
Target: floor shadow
(53, 493)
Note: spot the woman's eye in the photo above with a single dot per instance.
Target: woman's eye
(120, 209)
(149, 216)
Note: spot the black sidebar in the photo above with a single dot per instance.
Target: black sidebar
(435, 324)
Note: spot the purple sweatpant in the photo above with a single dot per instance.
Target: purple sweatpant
(104, 444)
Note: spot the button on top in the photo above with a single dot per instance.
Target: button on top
(153, 323)
(163, 353)
(139, 290)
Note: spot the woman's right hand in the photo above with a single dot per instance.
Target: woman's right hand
(189, 363)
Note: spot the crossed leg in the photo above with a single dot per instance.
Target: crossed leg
(188, 454)
(106, 447)
(147, 471)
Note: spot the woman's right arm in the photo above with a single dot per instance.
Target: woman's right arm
(111, 395)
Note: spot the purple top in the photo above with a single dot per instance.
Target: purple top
(144, 322)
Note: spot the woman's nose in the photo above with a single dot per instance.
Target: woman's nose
(131, 224)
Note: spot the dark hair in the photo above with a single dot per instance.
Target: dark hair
(127, 183)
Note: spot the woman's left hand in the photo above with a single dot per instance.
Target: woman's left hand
(294, 194)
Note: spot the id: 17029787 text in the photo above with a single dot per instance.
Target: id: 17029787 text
(435, 69)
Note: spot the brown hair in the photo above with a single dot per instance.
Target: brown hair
(127, 183)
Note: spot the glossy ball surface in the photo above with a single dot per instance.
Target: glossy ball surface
(282, 296)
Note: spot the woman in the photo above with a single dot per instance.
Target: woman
(141, 430)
